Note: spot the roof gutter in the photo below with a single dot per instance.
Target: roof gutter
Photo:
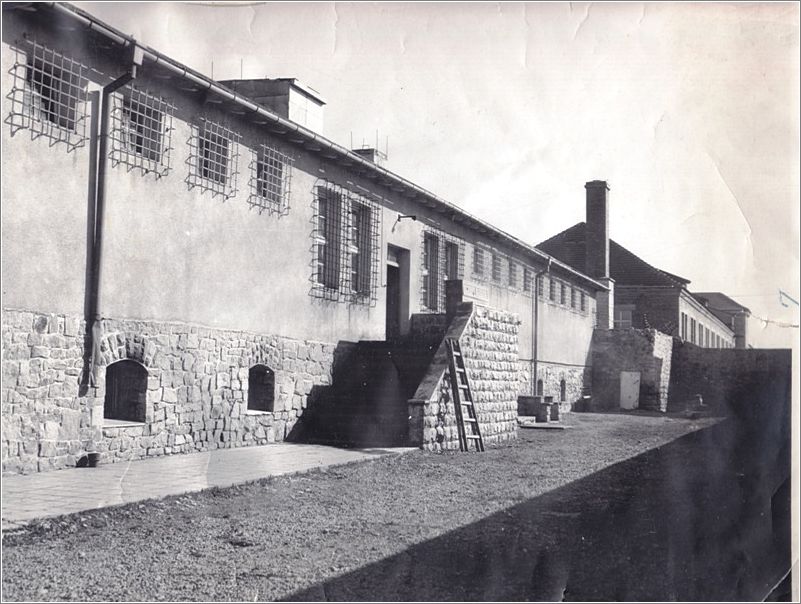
(313, 140)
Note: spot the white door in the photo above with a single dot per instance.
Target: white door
(629, 389)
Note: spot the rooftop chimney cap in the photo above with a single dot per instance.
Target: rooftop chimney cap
(597, 184)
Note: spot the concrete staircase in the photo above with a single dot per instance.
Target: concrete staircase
(366, 405)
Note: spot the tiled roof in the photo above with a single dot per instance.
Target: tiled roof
(625, 267)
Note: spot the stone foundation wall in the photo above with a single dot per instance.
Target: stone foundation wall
(196, 398)
(489, 341)
(730, 379)
(577, 381)
(647, 351)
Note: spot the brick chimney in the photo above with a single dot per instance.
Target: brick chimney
(597, 230)
(286, 97)
(596, 241)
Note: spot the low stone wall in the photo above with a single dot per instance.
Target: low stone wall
(576, 379)
(197, 384)
(647, 351)
(730, 379)
(489, 341)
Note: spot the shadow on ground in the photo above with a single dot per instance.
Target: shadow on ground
(706, 517)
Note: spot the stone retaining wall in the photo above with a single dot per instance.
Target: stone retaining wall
(647, 351)
(576, 379)
(197, 388)
(489, 341)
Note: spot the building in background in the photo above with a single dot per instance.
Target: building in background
(645, 297)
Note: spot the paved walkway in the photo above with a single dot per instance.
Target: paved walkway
(79, 489)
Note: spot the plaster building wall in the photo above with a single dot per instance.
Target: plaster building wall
(209, 285)
(695, 311)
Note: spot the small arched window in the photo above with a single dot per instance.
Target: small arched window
(562, 391)
(261, 388)
(126, 391)
(540, 388)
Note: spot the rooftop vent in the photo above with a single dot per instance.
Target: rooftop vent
(286, 97)
(372, 154)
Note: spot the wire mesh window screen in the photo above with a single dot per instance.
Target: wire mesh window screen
(270, 179)
(346, 246)
(141, 132)
(213, 158)
(48, 95)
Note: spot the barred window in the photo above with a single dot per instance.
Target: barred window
(562, 293)
(453, 268)
(478, 262)
(141, 131)
(526, 279)
(552, 293)
(346, 246)
(540, 285)
(430, 289)
(48, 95)
(360, 241)
(329, 227)
(573, 297)
(512, 274)
(214, 158)
(270, 178)
(496, 267)
(583, 301)
(442, 259)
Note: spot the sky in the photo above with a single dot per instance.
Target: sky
(689, 111)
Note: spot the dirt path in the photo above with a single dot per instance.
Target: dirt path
(314, 536)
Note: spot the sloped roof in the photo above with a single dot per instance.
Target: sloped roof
(720, 305)
(625, 267)
(295, 133)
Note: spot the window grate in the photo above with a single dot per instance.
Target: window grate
(512, 274)
(270, 179)
(526, 279)
(443, 259)
(479, 268)
(48, 95)
(345, 246)
(496, 267)
(213, 158)
(141, 132)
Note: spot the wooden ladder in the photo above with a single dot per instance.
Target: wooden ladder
(463, 398)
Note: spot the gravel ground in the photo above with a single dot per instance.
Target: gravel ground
(289, 536)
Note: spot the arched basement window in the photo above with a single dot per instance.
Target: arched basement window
(562, 391)
(126, 391)
(540, 388)
(261, 388)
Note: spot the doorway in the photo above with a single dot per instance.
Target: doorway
(629, 389)
(397, 322)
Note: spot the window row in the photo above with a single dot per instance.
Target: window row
(346, 246)
(126, 391)
(697, 333)
(49, 98)
(442, 259)
(563, 294)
